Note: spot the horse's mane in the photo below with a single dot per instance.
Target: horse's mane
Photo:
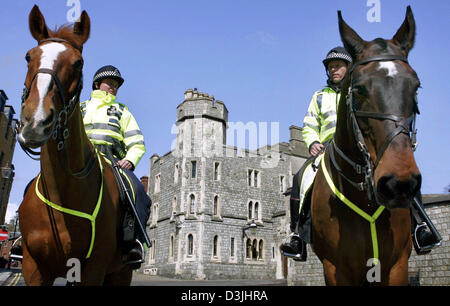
(66, 32)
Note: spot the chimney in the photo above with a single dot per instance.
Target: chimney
(144, 181)
(296, 136)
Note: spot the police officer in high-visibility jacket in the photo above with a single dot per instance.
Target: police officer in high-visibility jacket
(111, 127)
(319, 124)
(319, 127)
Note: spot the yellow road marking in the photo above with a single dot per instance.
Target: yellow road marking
(15, 279)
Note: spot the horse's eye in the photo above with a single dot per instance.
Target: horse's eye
(360, 89)
(78, 65)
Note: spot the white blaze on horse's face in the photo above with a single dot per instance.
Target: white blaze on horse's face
(50, 53)
(390, 67)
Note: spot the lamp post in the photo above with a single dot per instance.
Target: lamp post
(6, 172)
(252, 225)
(16, 218)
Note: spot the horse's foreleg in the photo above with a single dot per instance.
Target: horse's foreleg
(329, 271)
(122, 277)
(398, 275)
(93, 274)
(32, 275)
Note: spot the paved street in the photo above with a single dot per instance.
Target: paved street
(14, 277)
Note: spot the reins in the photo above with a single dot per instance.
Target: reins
(60, 132)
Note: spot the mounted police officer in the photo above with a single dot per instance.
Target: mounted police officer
(114, 131)
(319, 127)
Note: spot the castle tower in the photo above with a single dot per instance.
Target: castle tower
(215, 214)
(201, 125)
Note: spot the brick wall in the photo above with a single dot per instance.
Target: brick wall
(424, 270)
(434, 268)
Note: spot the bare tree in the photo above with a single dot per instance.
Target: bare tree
(447, 189)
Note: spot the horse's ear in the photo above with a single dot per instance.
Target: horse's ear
(37, 25)
(82, 27)
(353, 43)
(406, 34)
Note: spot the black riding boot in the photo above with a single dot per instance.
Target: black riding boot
(424, 240)
(296, 248)
(135, 256)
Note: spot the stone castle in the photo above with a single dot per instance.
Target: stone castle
(219, 212)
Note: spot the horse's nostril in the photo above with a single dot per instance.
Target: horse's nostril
(386, 186)
(49, 119)
(390, 187)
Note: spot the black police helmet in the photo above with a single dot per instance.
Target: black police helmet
(107, 72)
(338, 53)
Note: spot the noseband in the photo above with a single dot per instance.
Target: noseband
(60, 132)
(402, 126)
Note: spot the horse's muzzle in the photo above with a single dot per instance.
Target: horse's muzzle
(34, 137)
(395, 193)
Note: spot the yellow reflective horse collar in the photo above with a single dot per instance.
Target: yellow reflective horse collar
(371, 219)
(75, 212)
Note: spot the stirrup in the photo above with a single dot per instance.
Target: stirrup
(422, 250)
(296, 257)
(138, 261)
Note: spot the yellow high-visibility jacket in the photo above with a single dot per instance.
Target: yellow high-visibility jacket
(319, 124)
(108, 122)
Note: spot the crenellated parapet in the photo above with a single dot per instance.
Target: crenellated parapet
(199, 104)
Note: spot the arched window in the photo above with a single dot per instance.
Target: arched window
(192, 204)
(216, 205)
(190, 245)
(250, 209)
(172, 244)
(174, 207)
(176, 174)
(232, 247)
(254, 249)
(256, 211)
(193, 168)
(248, 248)
(260, 249)
(215, 245)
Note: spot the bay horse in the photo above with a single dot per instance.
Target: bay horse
(361, 197)
(71, 210)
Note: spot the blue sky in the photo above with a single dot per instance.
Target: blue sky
(262, 58)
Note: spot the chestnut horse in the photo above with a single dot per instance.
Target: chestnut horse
(71, 210)
(361, 226)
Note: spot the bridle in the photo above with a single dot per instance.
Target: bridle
(60, 132)
(402, 126)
